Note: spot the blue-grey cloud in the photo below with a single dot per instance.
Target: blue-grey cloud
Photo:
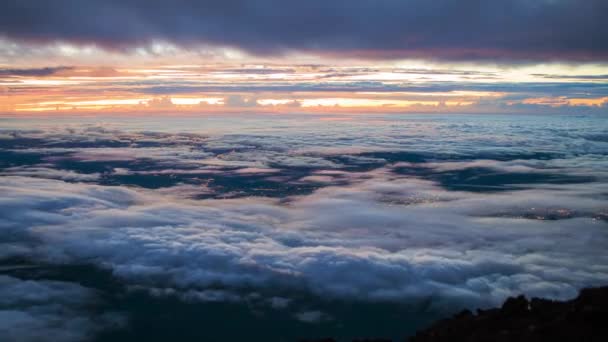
(446, 29)
(529, 88)
(37, 310)
(575, 77)
(36, 72)
(372, 237)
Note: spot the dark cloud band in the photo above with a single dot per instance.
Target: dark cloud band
(36, 72)
(445, 29)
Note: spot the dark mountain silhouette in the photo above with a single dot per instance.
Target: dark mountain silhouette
(581, 319)
(584, 319)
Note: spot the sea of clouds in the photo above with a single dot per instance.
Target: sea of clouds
(362, 229)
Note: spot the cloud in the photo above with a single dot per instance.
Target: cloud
(240, 101)
(279, 302)
(35, 72)
(194, 296)
(446, 29)
(571, 77)
(312, 316)
(45, 172)
(163, 102)
(348, 242)
(378, 232)
(514, 89)
(294, 104)
(50, 310)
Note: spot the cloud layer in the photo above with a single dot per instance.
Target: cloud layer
(434, 212)
(49, 310)
(447, 29)
(378, 240)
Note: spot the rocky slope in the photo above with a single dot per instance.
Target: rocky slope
(584, 318)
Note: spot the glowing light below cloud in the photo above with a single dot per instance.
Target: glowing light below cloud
(353, 102)
(564, 101)
(190, 101)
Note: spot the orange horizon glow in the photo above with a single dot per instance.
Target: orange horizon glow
(280, 88)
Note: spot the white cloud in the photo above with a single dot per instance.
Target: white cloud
(163, 102)
(47, 172)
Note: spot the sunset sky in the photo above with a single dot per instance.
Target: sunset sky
(307, 57)
(299, 170)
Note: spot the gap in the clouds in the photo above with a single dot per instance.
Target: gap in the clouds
(14, 158)
(480, 179)
(228, 182)
(265, 165)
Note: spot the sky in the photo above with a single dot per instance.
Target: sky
(278, 170)
(269, 56)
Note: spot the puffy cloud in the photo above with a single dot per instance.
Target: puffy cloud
(163, 102)
(191, 295)
(46, 172)
(374, 233)
(447, 29)
(348, 242)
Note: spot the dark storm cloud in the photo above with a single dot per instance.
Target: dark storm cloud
(444, 29)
